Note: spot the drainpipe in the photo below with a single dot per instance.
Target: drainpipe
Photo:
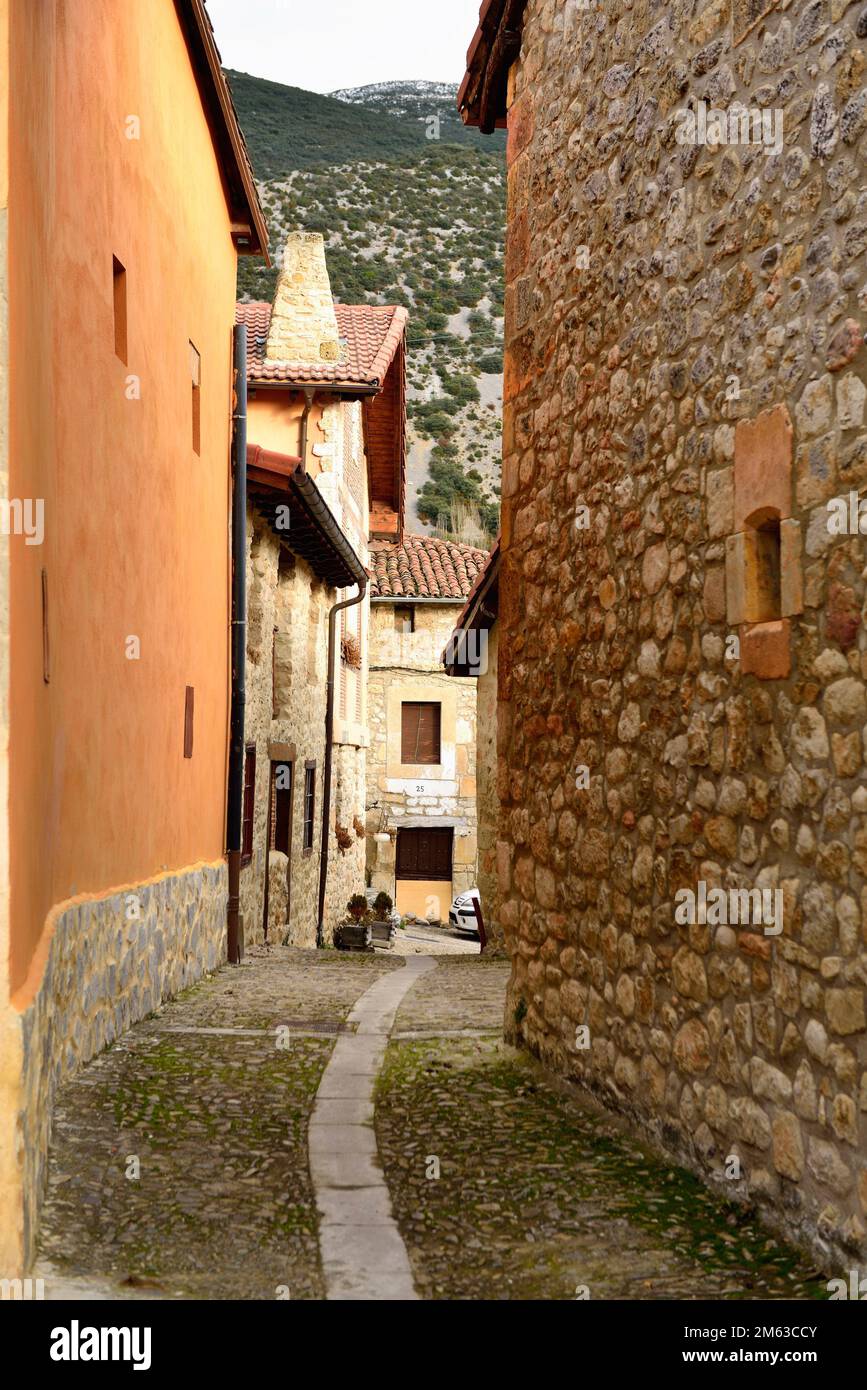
(329, 735)
(309, 396)
(235, 809)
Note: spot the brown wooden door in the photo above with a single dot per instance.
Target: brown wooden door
(425, 853)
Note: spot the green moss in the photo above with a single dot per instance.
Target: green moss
(553, 1170)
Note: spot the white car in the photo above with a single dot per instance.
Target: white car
(461, 914)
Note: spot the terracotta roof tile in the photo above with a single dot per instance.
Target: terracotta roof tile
(372, 334)
(424, 567)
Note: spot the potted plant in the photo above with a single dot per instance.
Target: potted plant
(354, 934)
(382, 927)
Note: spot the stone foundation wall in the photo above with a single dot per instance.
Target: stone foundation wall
(682, 647)
(110, 962)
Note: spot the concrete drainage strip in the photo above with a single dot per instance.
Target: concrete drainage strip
(363, 1254)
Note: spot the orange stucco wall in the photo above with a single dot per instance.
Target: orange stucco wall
(136, 523)
(274, 422)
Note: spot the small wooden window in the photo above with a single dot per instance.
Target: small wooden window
(282, 779)
(249, 803)
(420, 732)
(119, 295)
(404, 619)
(196, 378)
(309, 803)
(189, 704)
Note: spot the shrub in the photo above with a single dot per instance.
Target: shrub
(450, 485)
(460, 387)
(492, 363)
(357, 907)
(382, 905)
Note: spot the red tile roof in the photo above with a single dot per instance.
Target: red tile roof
(373, 333)
(424, 567)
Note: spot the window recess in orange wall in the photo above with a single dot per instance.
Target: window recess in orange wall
(189, 706)
(196, 377)
(119, 302)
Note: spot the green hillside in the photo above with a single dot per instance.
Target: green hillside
(407, 220)
(287, 128)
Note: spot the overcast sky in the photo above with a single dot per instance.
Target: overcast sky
(324, 44)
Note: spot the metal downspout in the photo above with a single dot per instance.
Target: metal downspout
(329, 735)
(309, 397)
(235, 806)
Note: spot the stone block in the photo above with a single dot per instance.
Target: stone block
(746, 15)
(766, 650)
(735, 610)
(521, 125)
(720, 502)
(791, 569)
(763, 466)
(714, 594)
(517, 248)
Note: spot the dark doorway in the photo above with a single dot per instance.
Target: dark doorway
(282, 789)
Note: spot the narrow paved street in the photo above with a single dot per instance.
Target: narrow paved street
(223, 1148)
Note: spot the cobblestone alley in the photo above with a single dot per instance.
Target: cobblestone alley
(182, 1156)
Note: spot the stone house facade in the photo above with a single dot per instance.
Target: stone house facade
(683, 655)
(325, 468)
(117, 286)
(473, 651)
(421, 766)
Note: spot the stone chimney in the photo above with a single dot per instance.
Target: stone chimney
(303, 322)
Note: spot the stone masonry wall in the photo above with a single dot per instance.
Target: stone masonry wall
(285, 705)
(110, 962)
(685, 389)
(303, 326)
(346, 866)
(487, 805)
(287, 645)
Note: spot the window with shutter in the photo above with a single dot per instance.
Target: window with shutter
(249, 803)
(420, 732)
(309, 803)
(281, 806)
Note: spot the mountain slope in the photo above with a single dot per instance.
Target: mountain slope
(419, 102)
(287, 128)
(408, 220)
